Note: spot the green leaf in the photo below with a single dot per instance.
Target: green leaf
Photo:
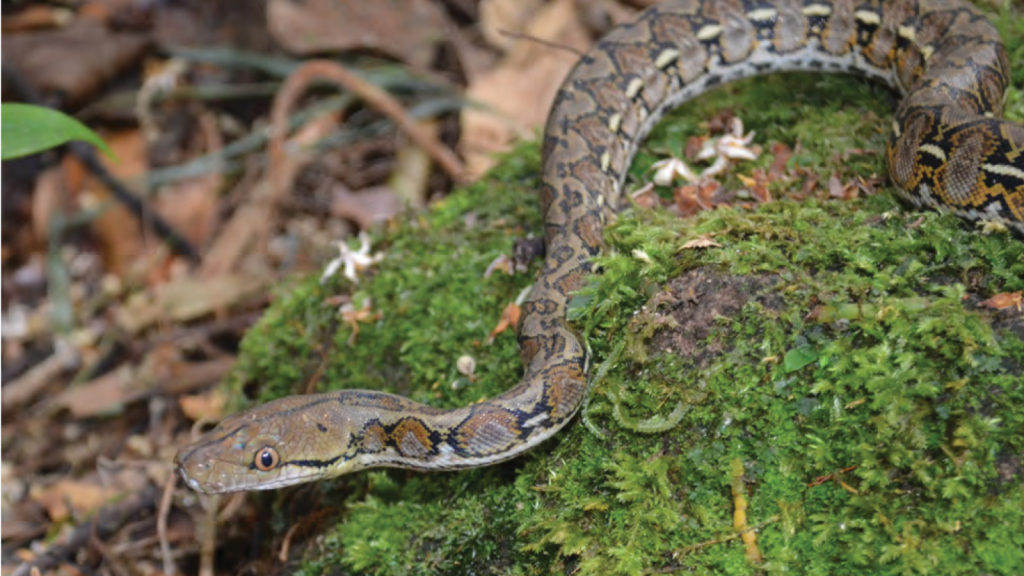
(797, 358)
(26, 129)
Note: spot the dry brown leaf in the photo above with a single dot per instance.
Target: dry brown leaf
(693, 198)
(837, 189)
(520, 90)
(208, 406)
(67, 495)
(509, 319)
(704, 241)
(187, 299)
(104, 395)
(406, 29)
(781, 155)
(35, 17)
(1004, 300)
(353, 316)
(76, 60)
(757, 184)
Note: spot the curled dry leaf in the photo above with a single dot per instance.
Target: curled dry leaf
(353, 316)
(757, 184)
(694, 198)
(509, 319)
(208, 406)
(704, 241)
(1004, 300)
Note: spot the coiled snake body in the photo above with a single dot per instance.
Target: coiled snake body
(948, 150)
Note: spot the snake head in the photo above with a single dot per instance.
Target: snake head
(288, 441)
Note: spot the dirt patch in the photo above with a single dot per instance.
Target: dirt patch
(698, 300)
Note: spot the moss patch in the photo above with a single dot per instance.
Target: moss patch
(835, 350)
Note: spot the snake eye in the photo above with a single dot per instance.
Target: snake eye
(266, 459)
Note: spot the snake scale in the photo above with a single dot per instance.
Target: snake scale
(948, 149)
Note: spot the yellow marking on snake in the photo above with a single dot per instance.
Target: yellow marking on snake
(666, 58)
(816, 10)
(868, 17)
(933, 150)
(614, 122)
(762, 14)
(634, 88)
(709, 32)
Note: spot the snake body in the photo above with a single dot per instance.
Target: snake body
(948, 149)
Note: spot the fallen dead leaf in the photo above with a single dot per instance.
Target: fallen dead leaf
(694, 198)
(703, 241)
(406, 29)
(103, 395)
(35, 17)
(187, 299)
(68, 495)
(208, 406)
(353, 316)
(1004, 300)
(76, 60)
(781, 155)
(757, 184)
(509, 319)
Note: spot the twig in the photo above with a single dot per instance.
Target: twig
(107, 521)
(209, 545)
(705, 544)
(373, 95)
(170, 568)
(541, 41)
(32, 382)
(178, 244)
(287, 543)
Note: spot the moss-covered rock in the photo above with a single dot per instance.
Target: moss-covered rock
(827, 369)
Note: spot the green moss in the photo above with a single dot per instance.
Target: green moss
(828, 340)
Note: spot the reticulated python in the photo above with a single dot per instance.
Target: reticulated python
(948, 150)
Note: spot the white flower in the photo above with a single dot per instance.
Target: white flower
(355, 261)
